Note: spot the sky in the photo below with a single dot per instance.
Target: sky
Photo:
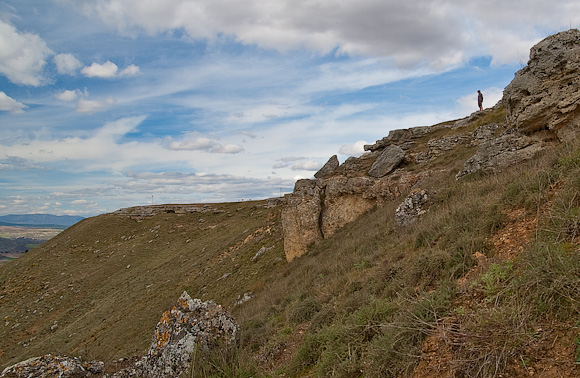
(106, 104)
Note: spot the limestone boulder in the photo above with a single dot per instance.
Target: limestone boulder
(545, 94)
(328, 168)
(190, 324)
(49, 366)
(301, 217)
(387, 161)
(412, 207)
(318, 208)
(495, 154)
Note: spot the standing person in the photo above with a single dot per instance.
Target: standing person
(480, 99)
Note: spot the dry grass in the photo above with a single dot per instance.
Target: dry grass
(359, 303)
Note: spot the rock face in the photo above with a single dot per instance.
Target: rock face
(495, 154)
(545, 94)
(190, 324)
(50, 366)
(318, 208)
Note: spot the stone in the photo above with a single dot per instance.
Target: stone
(328, 168)
(388, 160)
(49, 366)
(412, 207)
(318, 208)
(260, 252)
(545, 94)
(301, 216)
(190, 324)
(403, 137)
(508, 149)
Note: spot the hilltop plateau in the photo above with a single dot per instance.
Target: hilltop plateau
(449, 250)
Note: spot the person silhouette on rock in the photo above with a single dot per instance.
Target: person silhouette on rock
(480, 100)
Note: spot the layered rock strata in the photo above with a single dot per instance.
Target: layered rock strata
(545, 94)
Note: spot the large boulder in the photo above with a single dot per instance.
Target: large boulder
(495, 154)
(388, 160)
(328, 168)
(545, 94)
(190, 324)
(412, 207)
(49, 366)
(301, 217)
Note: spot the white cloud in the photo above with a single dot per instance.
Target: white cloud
(131, 70)
(109, 70)
(93, 106)
(68, 95)
(441, 33)
(205, 144)
(355, 149)
(67, 64)
(101, 150)
(22, 56)
(11, 105)
(105, 70)
(308, 165)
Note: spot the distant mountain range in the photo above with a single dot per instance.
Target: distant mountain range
(37, 220)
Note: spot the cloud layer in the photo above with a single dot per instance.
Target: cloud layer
(105, 102)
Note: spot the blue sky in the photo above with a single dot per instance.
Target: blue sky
(107, 104)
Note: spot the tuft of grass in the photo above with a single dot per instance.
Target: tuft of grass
(223, 361)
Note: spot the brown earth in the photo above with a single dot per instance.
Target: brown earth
(551, 356)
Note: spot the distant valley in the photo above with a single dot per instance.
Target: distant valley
(24, 232)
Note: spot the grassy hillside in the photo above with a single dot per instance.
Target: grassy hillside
(486, 284)
(99, 288)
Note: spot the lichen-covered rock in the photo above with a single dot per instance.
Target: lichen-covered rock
(189, 324)
(388, 160)
(546, 93)
(49, 366)
(509, 148)
(412, 207)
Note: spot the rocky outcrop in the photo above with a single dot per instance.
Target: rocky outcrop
(318, 208)
(495, 154)
(328, 168)
(190, 324)
(538, 107)
(412, 207)
(142, 212)
(545, 94)
(50, 366)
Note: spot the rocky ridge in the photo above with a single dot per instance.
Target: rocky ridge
(540, 107)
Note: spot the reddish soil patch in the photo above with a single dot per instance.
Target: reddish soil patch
(552, 355)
